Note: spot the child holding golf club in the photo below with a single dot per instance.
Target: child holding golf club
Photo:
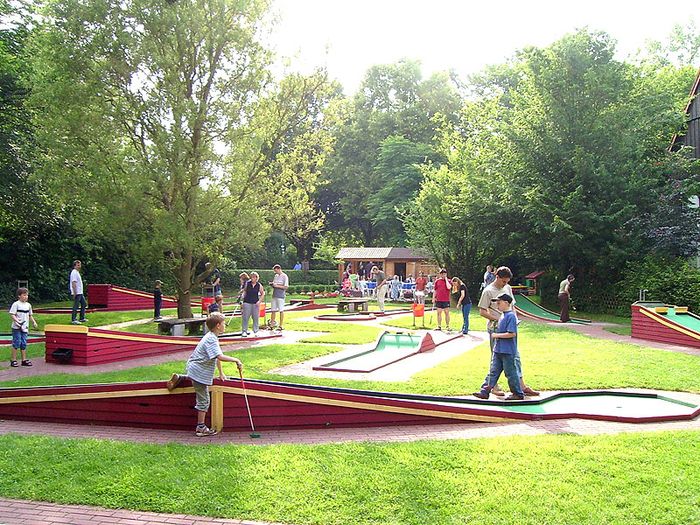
(200, 370)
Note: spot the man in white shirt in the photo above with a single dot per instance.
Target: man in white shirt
(279, 283)
(75, 285)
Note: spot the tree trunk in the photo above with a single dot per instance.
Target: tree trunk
(183, 277)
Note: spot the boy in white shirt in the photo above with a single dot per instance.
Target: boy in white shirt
(21, 313)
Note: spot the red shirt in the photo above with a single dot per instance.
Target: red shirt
(420, 284)
(442, 290)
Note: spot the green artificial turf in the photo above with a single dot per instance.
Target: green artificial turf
(625, 479)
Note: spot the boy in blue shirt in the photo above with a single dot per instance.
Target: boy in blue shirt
(504, 351)
(200, 369)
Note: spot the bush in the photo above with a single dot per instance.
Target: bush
(296, 277)
(671, 281)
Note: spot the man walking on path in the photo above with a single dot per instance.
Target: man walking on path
(75, 285)
(489, 311)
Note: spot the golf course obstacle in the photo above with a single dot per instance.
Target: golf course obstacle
(655, 321)
(83, 346)
(389, 348)
(279, 405)
(6, 339)
(361, 316)
(528, 308)
(113, 298)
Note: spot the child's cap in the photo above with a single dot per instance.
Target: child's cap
(158, 281)
(503, 297)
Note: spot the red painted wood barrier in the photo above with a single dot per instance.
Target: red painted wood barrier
(92, 346)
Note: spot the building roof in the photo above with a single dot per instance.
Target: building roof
(383, 254)
(534, 275)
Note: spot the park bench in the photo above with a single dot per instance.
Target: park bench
(353, 305)
(194, 326)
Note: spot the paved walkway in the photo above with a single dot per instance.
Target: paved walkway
(20, 512)
(41, 367)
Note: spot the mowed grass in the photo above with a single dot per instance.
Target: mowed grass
(648, 478)
(553, 359)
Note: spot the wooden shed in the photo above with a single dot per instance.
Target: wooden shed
(403, 262)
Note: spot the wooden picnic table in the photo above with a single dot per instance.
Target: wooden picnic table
(194, 326)
(353, 305)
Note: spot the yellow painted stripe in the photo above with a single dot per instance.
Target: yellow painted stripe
(368, 406)
(666, 323)
(90, 395)
(144, 339)
(66, 328)
(146, 294)
(133, 292)
(217, 402)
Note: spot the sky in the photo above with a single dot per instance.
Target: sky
(348, 37)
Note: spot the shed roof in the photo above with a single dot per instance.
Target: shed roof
(534, 275)
(385, 254)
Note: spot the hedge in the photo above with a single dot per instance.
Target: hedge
(316, 277)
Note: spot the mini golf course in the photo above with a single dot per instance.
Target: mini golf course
(360, 316)
(389, 348)
(665, 323)
(528, 308)
(278, 405)
(80, 345)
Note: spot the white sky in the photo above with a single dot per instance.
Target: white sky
(350, 36)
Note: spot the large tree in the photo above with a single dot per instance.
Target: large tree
(389, 129)
(145, 112)
(558, 157)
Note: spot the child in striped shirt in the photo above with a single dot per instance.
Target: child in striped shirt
(200, 369)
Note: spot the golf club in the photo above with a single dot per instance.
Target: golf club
(235, 311)
(253, 434)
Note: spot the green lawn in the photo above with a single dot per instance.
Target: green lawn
(626, 479)
(650, 478)
(553, 359)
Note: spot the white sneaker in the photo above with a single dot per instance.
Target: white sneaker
(244, 334)
(204, 431)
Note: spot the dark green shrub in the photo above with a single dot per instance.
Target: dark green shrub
(671, 281)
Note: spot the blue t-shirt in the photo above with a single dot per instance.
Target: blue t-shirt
(506, 324)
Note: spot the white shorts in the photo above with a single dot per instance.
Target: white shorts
(277, 305)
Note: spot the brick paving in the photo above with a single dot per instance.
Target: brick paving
(20, 512)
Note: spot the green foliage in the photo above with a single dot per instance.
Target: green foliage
(671, 281)
(296, 277)
(389, 130)
(532, 177)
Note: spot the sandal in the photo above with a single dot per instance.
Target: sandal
(14, 364)
(26, 362)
